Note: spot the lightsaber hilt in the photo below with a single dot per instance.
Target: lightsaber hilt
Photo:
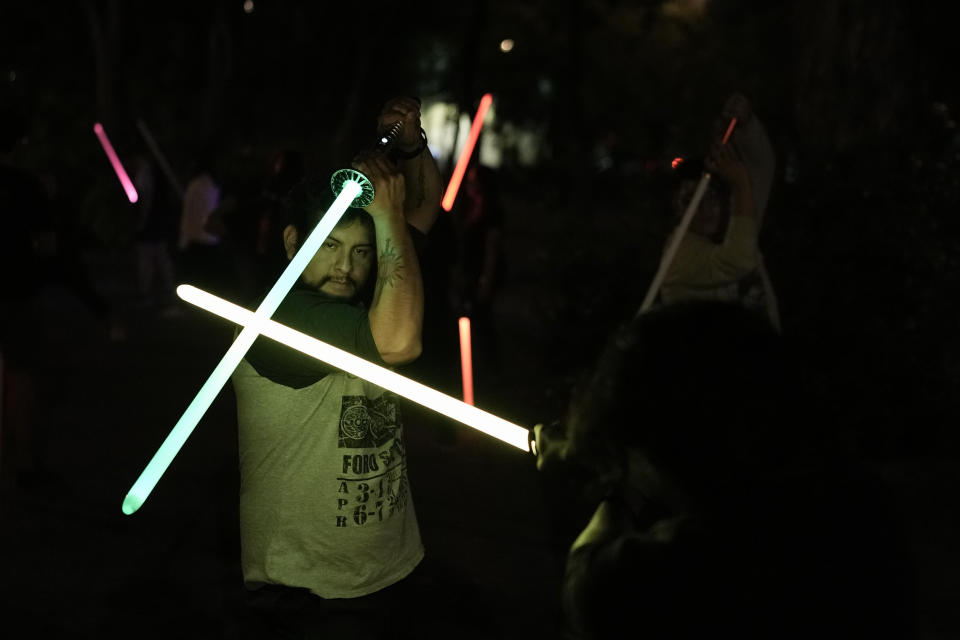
(388, 139)
(386, 142)
(552, 429)
(340, 176)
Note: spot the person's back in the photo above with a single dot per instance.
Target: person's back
(816, 554)
(724, 513)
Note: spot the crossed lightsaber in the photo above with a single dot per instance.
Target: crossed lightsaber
(352, 188)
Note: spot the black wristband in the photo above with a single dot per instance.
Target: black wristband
(407, 155)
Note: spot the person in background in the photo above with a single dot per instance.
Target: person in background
(719, 256)
(156, 208)
(200, 255)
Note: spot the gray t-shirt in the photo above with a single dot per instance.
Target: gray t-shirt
(324, 498)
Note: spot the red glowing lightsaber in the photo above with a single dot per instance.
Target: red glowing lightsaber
(466, 361)
(115, 161)
(461, 168)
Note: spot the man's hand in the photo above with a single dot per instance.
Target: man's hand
(550, 445)
(724, 161)
(407, 111)
(388, 184)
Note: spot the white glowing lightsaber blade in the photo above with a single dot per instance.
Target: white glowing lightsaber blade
(430, 398)
(188, 421)
(125, 181)
(461, 168)
(680, 231)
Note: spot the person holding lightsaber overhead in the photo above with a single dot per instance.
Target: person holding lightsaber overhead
(329, 535)
(718, 257)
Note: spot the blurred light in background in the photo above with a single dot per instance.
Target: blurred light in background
(12, 75)
(545, 86)
(248, 6)
(506, 45)
(448, 131)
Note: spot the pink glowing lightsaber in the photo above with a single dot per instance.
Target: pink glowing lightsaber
(466, 361)
(461, 168)
(115, 161)
(680, 231)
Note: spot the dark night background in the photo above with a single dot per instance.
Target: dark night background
(860, 100)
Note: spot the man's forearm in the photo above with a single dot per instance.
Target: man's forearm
(422, 179)
(396, 312)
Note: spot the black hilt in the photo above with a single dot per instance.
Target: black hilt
(389, 138)
(554, 426)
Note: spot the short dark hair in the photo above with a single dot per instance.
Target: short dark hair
(309, 199)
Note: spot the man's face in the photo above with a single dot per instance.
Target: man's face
(343, 263)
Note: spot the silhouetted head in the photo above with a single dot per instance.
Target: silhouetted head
(703, 389)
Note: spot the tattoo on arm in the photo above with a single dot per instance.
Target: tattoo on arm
(389, 267)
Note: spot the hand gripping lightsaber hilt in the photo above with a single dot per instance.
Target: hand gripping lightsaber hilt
(384, 143)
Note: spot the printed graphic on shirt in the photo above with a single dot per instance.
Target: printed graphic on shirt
(373, 485)
(366, 426)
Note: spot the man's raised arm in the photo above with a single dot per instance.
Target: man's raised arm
(421, 204)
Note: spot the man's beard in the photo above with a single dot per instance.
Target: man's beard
(347, 297)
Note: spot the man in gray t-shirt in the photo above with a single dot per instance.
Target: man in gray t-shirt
(325, 506)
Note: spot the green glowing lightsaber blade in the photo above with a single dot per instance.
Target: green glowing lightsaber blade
(430, 398)
(188, 421)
